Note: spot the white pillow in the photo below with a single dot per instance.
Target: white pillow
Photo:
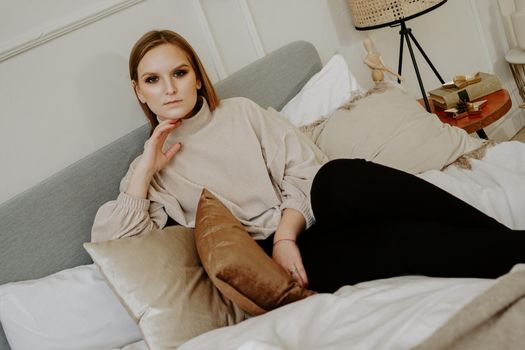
(326, 91)
(72, 309)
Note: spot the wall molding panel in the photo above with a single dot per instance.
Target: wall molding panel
(218, 64)
(252, 28)
(505, 127)
(64, 26)
(479, 27)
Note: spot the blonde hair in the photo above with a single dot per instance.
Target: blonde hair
(156, 38)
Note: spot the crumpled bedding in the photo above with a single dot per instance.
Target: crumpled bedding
(493, 320)
(495, 184)
(395, 313)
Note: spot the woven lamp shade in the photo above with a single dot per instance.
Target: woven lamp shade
(371, 14)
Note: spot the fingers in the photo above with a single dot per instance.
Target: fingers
(166, 125)
(289, 257)
(155, 157)
(303, 276)
(170, 153)
(162, 130)
(159, 135)
(298, 273)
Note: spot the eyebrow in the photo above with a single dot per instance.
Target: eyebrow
(184, 65)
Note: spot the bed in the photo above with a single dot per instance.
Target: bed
(49, 284)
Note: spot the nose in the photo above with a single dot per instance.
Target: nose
(170, 87)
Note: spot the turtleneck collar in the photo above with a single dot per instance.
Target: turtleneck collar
(193, 124)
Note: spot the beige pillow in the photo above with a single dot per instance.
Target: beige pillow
(160, 280)
(236, 264)
(390, 127)
(304, 135)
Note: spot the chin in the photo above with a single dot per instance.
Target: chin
(167, 116)
(173, 115)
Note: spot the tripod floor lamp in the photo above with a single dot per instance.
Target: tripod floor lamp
(373, 14)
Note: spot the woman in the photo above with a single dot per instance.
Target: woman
(370, 221)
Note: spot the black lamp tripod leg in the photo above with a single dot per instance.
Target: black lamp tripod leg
(400, 64)
(425, 57)
(405, 32)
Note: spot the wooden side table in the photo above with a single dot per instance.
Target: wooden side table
(498, 104)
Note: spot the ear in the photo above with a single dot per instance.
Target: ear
(136, 87)
(199, 84)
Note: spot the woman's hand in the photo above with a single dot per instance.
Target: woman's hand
(287, 254)
(153, 158)
(285, 251)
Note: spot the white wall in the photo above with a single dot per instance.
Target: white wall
(460, 37)
(70, 96)
(67, 97)
(21, 18)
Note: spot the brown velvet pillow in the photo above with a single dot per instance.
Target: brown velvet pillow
(236, 264)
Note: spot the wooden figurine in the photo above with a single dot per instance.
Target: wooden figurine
(374, 60)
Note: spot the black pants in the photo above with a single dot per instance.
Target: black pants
(375, 222)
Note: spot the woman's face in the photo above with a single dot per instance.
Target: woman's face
(167, 82)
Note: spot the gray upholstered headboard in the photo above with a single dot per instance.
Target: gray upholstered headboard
(42, 229)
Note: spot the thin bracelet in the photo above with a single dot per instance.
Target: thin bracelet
(283, 239)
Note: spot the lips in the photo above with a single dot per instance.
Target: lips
(172, 102)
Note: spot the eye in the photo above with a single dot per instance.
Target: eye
(179, 73)
(151, 79)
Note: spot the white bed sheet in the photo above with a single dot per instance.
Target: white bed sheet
(140, 345)
(395, 313)
(495, 185)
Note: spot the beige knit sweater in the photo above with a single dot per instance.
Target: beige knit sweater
(253, 160)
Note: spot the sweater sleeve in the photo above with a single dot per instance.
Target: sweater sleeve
(127, 215)
(292, 163)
